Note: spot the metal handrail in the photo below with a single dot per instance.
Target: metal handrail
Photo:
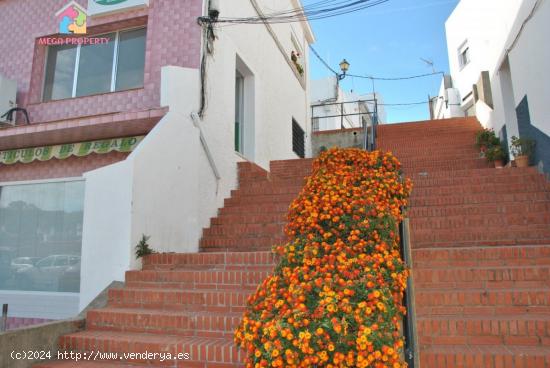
(409, 321)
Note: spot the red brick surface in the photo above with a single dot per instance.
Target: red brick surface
(482, 285)
(481, 271)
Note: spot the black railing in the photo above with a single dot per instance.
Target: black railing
(409, 326)
(4, 320)
(361, 114)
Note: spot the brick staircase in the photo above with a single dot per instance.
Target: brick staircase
(481, 250)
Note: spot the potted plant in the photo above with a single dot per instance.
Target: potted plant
(485, 139)
(295, 57)
(496, 155)
(522, 149)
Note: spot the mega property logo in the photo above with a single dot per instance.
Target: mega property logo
(72, 19)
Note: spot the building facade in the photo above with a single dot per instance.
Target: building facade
(332, 108)
(134, 120)
(498, 56)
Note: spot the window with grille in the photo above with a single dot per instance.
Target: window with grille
(298, 139)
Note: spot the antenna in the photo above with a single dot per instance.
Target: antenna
(430, 63)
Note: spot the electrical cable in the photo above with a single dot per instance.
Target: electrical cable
(319, 10)
(372, 77)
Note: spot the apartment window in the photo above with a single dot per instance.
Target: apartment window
(84, 70)
(464, 55)
(298, 139)
(41, 236)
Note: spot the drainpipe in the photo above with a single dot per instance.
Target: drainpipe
(196, 122)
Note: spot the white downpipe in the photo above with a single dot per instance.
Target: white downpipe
(204, 143)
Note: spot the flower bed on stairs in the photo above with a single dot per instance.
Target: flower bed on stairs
(335, 298)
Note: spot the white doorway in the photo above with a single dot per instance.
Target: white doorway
(244, 110)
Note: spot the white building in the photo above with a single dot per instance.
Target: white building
(182, 166)
(332, 108)
(499, 54)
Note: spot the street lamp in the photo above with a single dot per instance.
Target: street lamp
(344, 67)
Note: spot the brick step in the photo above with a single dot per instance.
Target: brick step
(480, 356)
(467, 302)
(176, 299)
(256, 208)
(505, 187)
(482, 277)
(245, 230)
(200, 349)
(485, 198)
(487, 221)
(432, 138)
(457, 140)
(434, 156)
(430, 151)
(266, 189)
(197, 279)
(163, 322)
(84, 364)
(462, 123)
(525, 255)
(472, 173)
(478, 209)
(250, 261)
(527, 178)
(483, 330)
(509, 233)
(275, 206)
(241, 244)
(420, 167)
(249, 218)
(468, 238)
(257, 199)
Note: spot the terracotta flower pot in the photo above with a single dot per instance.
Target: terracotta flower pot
(522, 161)
(499, 164)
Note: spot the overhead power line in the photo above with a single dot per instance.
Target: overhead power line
(318, 10)
(396, 78)
(372, 77)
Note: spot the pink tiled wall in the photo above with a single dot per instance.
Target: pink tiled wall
(173, 38)
(54, 169)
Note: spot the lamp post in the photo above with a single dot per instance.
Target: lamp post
(344, 67)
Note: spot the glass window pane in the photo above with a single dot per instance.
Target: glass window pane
(131, 59)
(60, 67)
(95, 68)
(41, 236)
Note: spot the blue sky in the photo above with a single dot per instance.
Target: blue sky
(388, 41)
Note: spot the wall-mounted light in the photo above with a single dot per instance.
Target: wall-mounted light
(344, 67)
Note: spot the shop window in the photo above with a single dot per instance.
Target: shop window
(41, 236)
(84, 70)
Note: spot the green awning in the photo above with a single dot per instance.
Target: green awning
(63, 151)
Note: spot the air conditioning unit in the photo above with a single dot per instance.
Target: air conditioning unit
(8, 94)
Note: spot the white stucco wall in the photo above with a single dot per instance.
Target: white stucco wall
(515, 58)
(173, 191)
(106, 254)
(485, 26)
(155, 192)
(279, 95)
(529, 61)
